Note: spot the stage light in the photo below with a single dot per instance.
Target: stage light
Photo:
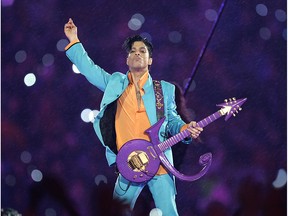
(134, 24)
(50, 212)
(155, 212)
(48, 60)
(265, 33)
(85, 115)
(29, 79)
(92, 115)
(26, 157)
(261, 9)
(211, 15)
(280, 15)
(175, 36)
(75, 69)
(20, 56)
(281, 179)
(61, 44)
(36, 175)
(140, 17)
(191, 87)
(100, 178)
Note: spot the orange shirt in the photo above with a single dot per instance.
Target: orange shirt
(131, 120)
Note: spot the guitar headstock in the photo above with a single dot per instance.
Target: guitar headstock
(231, 107)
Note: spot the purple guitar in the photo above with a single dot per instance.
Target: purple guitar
(138, 160)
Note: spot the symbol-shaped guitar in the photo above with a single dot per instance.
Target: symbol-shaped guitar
(139, 160)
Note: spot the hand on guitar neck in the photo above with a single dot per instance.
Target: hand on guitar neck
(194, 129)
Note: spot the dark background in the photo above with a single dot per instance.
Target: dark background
(52, 163)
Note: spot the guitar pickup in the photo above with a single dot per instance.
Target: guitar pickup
(138, 161)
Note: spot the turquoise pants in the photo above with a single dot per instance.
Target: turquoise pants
(161, 187)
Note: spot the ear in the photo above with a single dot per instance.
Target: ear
(150, 61)
(127, 60)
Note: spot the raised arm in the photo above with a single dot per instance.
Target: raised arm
(78, 56)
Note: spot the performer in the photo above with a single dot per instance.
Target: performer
(127, 109)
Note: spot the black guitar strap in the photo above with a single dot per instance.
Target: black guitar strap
(159, 99)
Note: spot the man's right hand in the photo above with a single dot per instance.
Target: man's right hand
(70, 30)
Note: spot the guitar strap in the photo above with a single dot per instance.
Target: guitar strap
(159, 99)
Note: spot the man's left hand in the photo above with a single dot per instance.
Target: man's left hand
(194, 129)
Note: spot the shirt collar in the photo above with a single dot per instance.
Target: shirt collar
(141, 81)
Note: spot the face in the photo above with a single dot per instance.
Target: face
(138, 58)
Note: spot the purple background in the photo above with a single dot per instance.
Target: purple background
(42, 129)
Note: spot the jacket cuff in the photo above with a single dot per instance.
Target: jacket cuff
(71, 44)
(184, 127)
(187, 140)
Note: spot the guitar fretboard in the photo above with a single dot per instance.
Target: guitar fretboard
(185, 133)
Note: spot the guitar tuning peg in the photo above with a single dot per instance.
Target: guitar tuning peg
(225, 100)
(234, 99)
(233, 114)
(235, 110)
(240, 108)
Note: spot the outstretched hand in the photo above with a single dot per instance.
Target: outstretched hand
(70, 30)
(194, 129)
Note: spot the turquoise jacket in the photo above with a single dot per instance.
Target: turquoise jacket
(113, 85)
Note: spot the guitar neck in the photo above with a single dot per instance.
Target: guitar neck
(185, 133)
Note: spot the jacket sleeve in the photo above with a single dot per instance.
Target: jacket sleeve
(93, 73)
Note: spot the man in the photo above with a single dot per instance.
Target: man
(127, 109)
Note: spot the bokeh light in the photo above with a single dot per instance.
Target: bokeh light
(50, 212)
(100, 178)
(30, 79)
(92, 115)
(85, 115)
(61, 44)
(192, 85)
(36, 175)
(75, 69)
(155, 212)
(211, 15)
(136, 22)
(265, 33)
(280, 15)
(48, 60)
(281, 179)
(261, 9)
(139, 17)
(26, 157)
(20, 56)
(175, 37)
